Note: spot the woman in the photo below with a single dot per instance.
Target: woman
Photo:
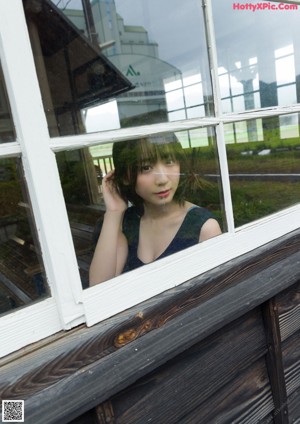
(151, 174)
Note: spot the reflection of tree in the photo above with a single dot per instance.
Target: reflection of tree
(10, 191)
(78, 177)
(6, 124)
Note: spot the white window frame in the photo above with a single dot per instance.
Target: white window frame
(70, 305)
(64, 309)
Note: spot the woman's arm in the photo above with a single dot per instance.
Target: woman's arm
(111, 250)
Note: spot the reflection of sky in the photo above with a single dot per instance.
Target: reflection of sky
(243, 38)
(175, 25)
(103, 117)
(244, 34)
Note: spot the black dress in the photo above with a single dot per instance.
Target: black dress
(186, 236)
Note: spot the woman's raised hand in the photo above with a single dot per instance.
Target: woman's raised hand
(113, 200)
(111, 250)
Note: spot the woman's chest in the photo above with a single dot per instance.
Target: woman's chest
(155, 238)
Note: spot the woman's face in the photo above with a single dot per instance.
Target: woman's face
(157, 182)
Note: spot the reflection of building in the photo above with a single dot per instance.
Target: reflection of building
(245, 85)
(131, 51)
(261, 75)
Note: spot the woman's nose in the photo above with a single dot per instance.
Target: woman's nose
(161, 174)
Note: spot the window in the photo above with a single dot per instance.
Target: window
(82, 172)
(120, 70)
(153, 53)
(257, 67)
(22, 272)
(32, 187)
(22, 275)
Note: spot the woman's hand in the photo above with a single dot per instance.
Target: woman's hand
(112, 249)
(113, 200)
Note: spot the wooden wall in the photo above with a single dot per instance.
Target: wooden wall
(221, 348)
(243, 373)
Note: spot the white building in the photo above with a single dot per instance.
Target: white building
(129, 48)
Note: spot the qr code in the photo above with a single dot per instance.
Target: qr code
(13, 411)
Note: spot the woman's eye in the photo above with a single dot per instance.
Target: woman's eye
(170, 161)
(145, 168)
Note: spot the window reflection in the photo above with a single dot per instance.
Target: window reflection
(73, 72)
(22, 277)
(7, 132)
(264, 173)
(148, 50)
(258, 57)
(82, 172)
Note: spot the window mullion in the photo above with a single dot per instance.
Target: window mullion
(213, 62)
(10, 150)
(39, 164)
(225, 177)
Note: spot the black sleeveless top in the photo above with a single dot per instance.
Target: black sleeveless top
(186, 236)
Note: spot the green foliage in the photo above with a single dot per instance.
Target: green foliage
(208, 197)
(10, 189)
(73, 179)
(252, 199)
(10, 196)
(255, 199)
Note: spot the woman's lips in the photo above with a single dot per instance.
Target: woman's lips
(163, 194)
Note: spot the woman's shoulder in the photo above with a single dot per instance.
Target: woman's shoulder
(203, 222)
(198, 211)
(190, 229)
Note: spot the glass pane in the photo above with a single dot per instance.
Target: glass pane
(124, 50)
(7, 131)
(287, 95)
(285, 69)
(289, 127)
(175, 100)
(183, 165)
(258, 51)
(193, 95)
(195, 112)
(264, 166)
(22, 276)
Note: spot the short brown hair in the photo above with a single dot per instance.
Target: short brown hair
(128, 156)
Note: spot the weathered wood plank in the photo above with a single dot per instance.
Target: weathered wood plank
(246, 400)
(121, 368)
(294, 407)
(274, 362)
(291, 362)
(90, 417)
(288, 304)
(193, 377)
(66, 379)
(152, 313)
